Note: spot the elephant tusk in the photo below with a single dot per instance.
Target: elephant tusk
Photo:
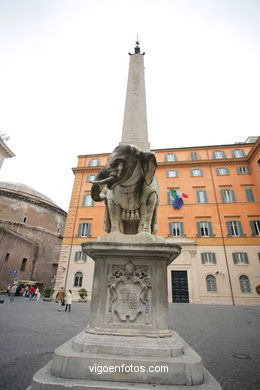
(107, 180)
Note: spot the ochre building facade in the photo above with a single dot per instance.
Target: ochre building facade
(218, 226)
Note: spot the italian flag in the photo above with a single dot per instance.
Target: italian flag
(177, 200)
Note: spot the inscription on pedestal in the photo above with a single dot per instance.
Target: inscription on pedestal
(128, 293)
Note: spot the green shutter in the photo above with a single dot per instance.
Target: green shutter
(210, 228)
(240, 230)
(233, 198)
(249, 195)
(234, 255)
(229, 229)
(203, 258)
(252, 225)
(182, 229)
(80, 230)
(198, 228)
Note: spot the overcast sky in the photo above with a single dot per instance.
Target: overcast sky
(63, 77)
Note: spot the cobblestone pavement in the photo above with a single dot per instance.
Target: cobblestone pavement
(226, 337)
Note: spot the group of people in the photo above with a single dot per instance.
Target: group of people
(64, 299)
(30, 292)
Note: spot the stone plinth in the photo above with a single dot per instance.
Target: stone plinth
(129, 296)
(128, 335)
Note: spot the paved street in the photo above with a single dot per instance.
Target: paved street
(226, 337)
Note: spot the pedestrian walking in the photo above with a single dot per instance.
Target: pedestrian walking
(60, 296)
(37, 294)
(31, 292)
(25, 294)
(12, 292)
(68, 301)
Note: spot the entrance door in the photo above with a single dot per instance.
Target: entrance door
(180, 290)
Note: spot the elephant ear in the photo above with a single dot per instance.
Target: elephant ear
(149, 164)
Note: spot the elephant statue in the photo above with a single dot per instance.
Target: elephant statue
(129, 188)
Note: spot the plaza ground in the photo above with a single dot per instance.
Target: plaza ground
(226, 337)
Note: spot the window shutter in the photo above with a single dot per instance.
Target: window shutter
(170, 228)
(218, 171)
(198, 228)
(205, 196)
(246, 258)
(169, 198)
(252, 225)
(194, 156)
(203, 258)
(223, 197)
(210, 228)
(200, 172)
(229, 228)
(182, 228)
(88, 229)
(249, 195)
(233, 198)
(198, 196)
(234, 255)
(239, 171)
(80, 229)
(214, 155)
(213, 258)
(239, 226)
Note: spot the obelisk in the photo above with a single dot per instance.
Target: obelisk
(135, 117)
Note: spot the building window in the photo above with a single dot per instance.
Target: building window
(234, 228)
(78, 279)
(222, 171)
(249, 195)
(255, 227)
(7, 256)
(238, 153)
(243, 170)
(258, 254)
(196, 172)
(94, 162)
(23, 265)
(90, 178)
(208, 258)
(24, 219)
(80, 256)
(193, 155)
(170, 157)
(84, 229)
(172, 173)
(244, 284)
(204, 229)
(176, 229)
(201, 196)
(240, 258)
(227, 196)
(87, 200)
(211, 283)
(219, 154)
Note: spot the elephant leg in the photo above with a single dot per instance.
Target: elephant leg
(146, 213)
(115, 216)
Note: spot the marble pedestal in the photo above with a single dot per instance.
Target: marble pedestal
(127, 343)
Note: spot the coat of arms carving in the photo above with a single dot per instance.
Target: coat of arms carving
(129, 292)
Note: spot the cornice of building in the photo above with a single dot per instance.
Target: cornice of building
(255, 149)
(4, 222)
(27, 199)
(222, 161)
(6, 151)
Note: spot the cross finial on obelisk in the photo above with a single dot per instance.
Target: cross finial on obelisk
(135, 117)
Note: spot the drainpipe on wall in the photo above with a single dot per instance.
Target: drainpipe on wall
(221, 232)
